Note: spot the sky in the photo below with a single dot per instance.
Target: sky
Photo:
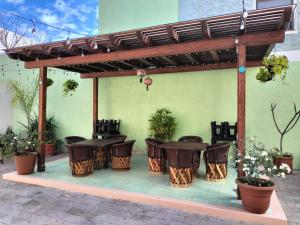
(74, 15)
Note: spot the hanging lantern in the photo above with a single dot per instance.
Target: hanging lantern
(141, 73)
(148, 82)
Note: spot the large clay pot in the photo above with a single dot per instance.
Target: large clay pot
(50, 149)
(287, 159)
(25, 163)
(255, 199)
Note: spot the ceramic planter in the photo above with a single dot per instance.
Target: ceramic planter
(255, 199)
(25, 163)
(50, 149)
(287, 159)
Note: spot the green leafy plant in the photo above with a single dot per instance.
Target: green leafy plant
(23, 146)
(50, 135)
(5, 143)
(162, 124)
(277, 153)
(258, 162)
(273, 66)
(69, 86)
(49, 82)
(23, 98)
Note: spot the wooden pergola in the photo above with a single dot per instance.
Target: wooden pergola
(196, 45)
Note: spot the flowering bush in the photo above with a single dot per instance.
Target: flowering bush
(258, 162)
(23, 146)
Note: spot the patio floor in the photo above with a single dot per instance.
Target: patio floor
(212, 198)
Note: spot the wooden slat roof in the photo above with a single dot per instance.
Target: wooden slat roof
(213, 28)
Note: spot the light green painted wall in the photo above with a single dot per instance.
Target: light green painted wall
(121, 15)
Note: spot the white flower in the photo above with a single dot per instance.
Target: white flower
(15, 138)
(252, 158)
(269, 169)
(247, 157)
(275, 167)
(264, 153)
(282, 174)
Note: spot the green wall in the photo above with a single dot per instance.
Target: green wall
(120, 15)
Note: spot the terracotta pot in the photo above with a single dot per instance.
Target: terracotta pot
(25, 163)
(50, 149)
(287, 159)
(255, 199)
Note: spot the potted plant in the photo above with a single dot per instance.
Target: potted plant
(273, 66)
(162, 124)
(278, 155)
(255, 191)
(25, 155)
(49, 82)
(69, 86)
(51, 142)
(5, 141)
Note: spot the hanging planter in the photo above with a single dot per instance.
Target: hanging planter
(273, 66)
(148, 81)
(69, 87)
(49, 82)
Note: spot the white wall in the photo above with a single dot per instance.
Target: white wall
(5, 107)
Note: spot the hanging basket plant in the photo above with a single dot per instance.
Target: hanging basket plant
(273, 66)
(69, 87)
(49, 82)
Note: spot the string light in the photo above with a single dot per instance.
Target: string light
(68, 39)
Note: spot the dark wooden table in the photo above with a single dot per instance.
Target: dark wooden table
(192, 146)
(101, 143)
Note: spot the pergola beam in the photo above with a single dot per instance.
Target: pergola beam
(168, 70)
(207, 35)
(165, 50)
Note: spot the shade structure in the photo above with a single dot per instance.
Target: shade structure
(203, 44)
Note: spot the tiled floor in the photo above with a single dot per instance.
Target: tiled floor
(138, 179)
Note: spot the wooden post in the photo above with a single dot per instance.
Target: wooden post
(42, 118)
(95, 103)
(241, 50)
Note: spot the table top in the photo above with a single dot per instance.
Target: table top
(193, 146)
(100, 142)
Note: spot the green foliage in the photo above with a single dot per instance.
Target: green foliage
(24, 99)
(22, 146)
(69, 86)
(50, 128)
(5, 142)
(49, 82)
(258, 161)
(162, 124)
(273, 66)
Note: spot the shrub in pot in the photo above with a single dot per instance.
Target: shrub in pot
(256, 191)
(162, 124)
(25, 155)
(278, 155)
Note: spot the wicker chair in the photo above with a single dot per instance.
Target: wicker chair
(120, 155)
(74, 139)
(117, 136)
(81, 159)
(198, 155)
(216, 157)
(157, 156)
(181, 164)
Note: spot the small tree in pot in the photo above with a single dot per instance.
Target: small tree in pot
(254, 190)
(278, 155)
(162, 124)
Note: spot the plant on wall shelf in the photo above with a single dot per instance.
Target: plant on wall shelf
(162, 124)
(273, 66)
(69, 86)
(278, 154)
(49, 82)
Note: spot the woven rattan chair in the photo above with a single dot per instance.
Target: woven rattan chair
(120, 155)
(216, 157)
(196, 139)
(81, 159)
(157, 156)
(181, 164)
(74, 139)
